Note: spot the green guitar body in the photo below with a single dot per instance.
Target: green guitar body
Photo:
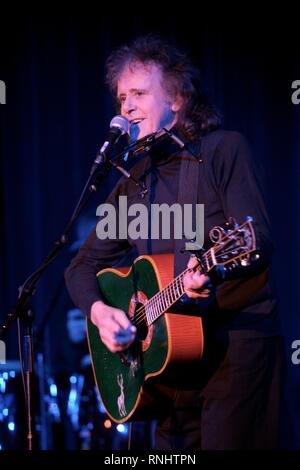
(121, 381)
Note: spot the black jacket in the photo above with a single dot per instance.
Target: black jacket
(226, 183)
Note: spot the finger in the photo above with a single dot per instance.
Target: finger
(198, 291)
(115, 344)
(187, 279)
(126, 332)
(202, 295)
(131, 329)
(193, 262)
(201, 279)
(119, 344)
(195, 280)
(111, 325)
(112, 341)
(123, 321)
(196, 295)
(191, 294)
(205, 291)
(123, 340)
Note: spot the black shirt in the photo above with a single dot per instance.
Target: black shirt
(228, 187)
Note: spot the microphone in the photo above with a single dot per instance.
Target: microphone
(119, 125)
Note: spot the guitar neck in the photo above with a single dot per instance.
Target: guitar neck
(231, 248)
(164, 299)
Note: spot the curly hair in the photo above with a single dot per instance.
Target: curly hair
(197, 115)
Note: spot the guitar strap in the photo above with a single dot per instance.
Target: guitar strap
(191, 187)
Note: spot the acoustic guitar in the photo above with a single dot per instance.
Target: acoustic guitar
(165, 341)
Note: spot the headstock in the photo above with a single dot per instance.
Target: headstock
(236, 244)
(234, 248)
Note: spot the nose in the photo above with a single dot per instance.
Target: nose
(128, 105)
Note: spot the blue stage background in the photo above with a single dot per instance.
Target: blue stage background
(56, 116)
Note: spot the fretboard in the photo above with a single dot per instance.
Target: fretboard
(164, 299)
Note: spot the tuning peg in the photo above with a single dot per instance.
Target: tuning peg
(255, 256)
(245, 262)
(232, 222)
(216, 234)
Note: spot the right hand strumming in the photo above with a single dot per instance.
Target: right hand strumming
(115, 329)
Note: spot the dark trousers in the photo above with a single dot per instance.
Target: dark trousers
(237, 406)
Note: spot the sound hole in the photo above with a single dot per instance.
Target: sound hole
(140, 322)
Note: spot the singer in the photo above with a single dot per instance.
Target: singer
(233, 401)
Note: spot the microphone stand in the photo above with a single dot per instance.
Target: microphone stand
(22, 309)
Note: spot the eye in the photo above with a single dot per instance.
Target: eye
(139, 93)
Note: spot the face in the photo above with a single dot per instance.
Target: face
(143, 100)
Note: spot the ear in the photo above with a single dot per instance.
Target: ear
(177, 103)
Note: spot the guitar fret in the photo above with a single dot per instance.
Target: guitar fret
(174, 290)
(150, 316)
(159, 305)
(177, 285)
(149, 312)
(179, 282)
(172, 294)
(181, 288)
(213, 256)
(155, 310)
(163, 300)
(154, 313)
(167, 296)
(156, 306)
(166, 300)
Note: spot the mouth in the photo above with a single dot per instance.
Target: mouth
(135, 122)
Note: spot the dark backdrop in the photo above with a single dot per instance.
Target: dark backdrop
(58, 111)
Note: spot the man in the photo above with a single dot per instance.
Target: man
(235, 404)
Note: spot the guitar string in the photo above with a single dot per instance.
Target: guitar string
(161, 294)
(140, 314)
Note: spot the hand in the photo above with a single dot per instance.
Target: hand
(194, 282)
(115, 329)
